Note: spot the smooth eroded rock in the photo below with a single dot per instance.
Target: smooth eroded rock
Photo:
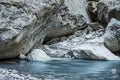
(112, 36)
(38, 55)
(90, 46)
(23, 24)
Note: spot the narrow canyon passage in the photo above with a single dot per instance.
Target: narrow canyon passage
(59, 39)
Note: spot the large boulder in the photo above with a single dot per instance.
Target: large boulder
(38, 55)
(112, 36)
(94, 51)
(23, 24)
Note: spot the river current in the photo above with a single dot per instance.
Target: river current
(67, 69)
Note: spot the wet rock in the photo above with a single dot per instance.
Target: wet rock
(112, 36)
(23, 24)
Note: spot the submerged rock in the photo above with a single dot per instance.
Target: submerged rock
(23, 24)
(112, 36)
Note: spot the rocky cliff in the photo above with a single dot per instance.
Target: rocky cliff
(72, 28)
(24, 24)
(72, 16)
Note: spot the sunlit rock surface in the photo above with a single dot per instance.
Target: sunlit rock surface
(94, 51)
(38, 55)
(112, 36)
(78, 7)
(23, 23)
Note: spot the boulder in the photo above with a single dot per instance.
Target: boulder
(112, 36)
(95, 52)
(38, 55)
(23, 24)
(82, 48)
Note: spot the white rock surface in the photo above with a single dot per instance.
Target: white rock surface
(78, 7)
(72, 16)
(15, 75)
(94, 51)
(38, 55)
(82, 47)
(23, 24)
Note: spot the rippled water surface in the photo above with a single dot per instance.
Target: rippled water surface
(67, 69)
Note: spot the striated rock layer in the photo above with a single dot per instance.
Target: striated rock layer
(23, 23)
(89, 39)
(72, 16)
(26, 24)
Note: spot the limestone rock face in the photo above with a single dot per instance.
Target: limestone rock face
(112, 36)
(72, 16)
(23, 23)
(108, 9)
